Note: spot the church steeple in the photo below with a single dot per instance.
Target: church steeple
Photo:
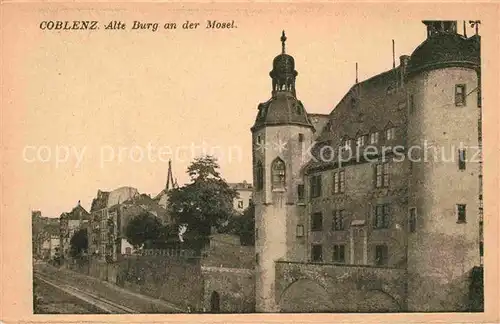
(170, 179)
(283, 73)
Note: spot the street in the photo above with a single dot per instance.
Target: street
(61, 291)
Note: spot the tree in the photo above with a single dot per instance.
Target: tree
(244, 226)
(204, 203)
(143, 229)
(78, 242)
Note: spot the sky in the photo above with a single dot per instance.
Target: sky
(96, 100)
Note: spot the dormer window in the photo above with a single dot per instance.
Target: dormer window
(374, 138)
(278, 173)
(346, 145)
(390, 133)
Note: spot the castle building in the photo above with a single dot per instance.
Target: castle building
(389, 179)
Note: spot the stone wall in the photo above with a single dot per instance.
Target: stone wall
(234, 288)
(176, 280)
(307, 287)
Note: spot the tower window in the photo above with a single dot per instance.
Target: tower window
(240, 204)
(382, 175)
(300, 192)
(339, 182)
(461, 159)
(257, 258)
(256, 233)
(278, 173)
(412, 221)
(461, 213)
(299, 231)
(258, 139)
(260, 176)
(315, 186)
(301, 137)
(317, 222)
(317, 253)
(339, 253)
(382, 216)
(338, 220)
(381, 255)
(411, 104)
(460, 95)
(374, 138)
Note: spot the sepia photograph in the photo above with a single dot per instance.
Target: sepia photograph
(315, 158)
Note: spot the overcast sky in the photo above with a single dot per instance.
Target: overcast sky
(96, 91)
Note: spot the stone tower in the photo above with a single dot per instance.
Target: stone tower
(444, 187)
(281, 134)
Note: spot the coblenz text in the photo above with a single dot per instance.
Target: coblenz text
(69, 25)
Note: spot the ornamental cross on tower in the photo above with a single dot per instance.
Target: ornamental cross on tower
(283, 40)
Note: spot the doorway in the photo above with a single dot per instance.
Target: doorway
(215, 302)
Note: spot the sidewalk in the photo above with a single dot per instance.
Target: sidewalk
(138, 302)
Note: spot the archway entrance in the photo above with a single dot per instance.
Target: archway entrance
(305, 296)
(215, 302)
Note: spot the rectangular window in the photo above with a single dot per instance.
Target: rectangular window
(411, 104)
(382, 175)
(461, 213)
(257, 258)
(374, 138)
(258, 139)
(299, 232)
(339, 253)
(338, 220)
(300, 192)
(240, 204)
(317, 222)
(412, 221)
(339, 182)
(301, 137)
(381, 253)
(382, 216)
(460, 95)
(342, 181)
(461, 159)
(317, 253)
(315, 186)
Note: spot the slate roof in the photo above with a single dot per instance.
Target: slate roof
(372, 105)
(445, 49)
(282, 109)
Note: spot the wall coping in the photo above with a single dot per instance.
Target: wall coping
(339, 265)
(224, 269)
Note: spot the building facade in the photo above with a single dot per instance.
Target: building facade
(392, 179)
(70, 223)
(244, 198)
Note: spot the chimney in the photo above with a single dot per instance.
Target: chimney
(403, 65)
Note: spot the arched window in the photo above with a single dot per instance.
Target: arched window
(278, 173)
(259, 173)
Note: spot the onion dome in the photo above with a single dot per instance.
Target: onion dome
(444, 48)
(283, 108)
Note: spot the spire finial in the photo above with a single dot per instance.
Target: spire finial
(283, 40)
